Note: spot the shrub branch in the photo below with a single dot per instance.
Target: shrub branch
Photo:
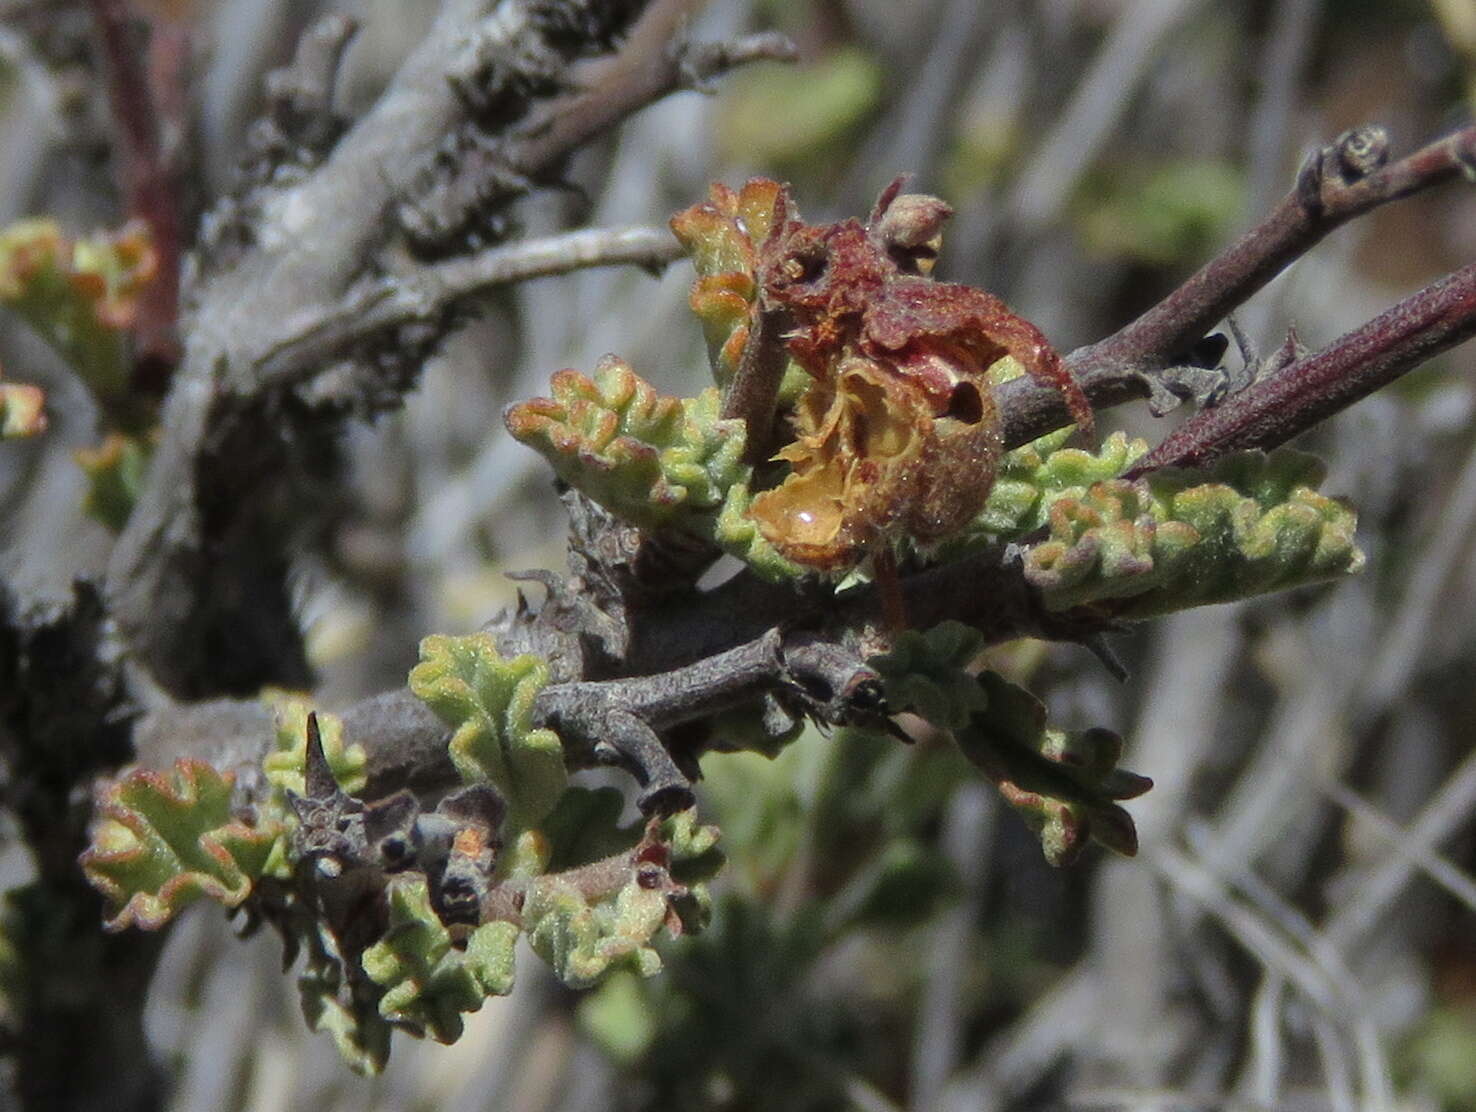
(1341, 181)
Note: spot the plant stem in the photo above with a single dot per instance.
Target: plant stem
(1333, 187)
(1309, 391)
(146, 173)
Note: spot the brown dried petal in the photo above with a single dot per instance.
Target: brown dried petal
(857, 466)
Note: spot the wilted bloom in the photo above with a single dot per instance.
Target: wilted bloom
(899, 433)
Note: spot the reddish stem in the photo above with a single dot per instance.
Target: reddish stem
(1329, 193)
(1321, 203)
(1312, 389)
(145, 93)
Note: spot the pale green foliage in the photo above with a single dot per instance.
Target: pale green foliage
(584, 938)
(79, 295)
(488, 702)
(654, 460)
(650, 458)
(1033, 476)
(924, 673)
(115, 472)
(1064, 784)
(687, 841)
(361, 1035)
(160, 841)
(1174, 540)
(428, 983)
(583, 941)
(286, 766)
(1177, 538)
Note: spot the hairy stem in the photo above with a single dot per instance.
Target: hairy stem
(1336, 184)
(1312, 389)
(753, 395)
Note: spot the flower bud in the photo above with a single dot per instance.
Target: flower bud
(911, 230)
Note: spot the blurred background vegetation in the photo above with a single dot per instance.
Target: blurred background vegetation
(1299, 930)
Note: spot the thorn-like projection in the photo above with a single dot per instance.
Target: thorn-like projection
(330, 822)
(1254, 366)
(317, 773)
(1203, 379)
(1170, 387)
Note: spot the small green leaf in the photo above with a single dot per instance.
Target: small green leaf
(428, 983)
(286, 766)
(1032, 477)
(723, 235)
(1065, 785)
(583, 941)
(656, 461)
(694, 851)
(651, 459)
(359, 1032)
(488, 701)
(924, 673)
(161, 841)
(115, 472)
(1178, 538)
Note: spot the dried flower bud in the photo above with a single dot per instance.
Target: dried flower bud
(911, 231)
(899, 434)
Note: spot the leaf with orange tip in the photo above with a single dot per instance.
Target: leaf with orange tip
(653, 459)
(161, 841)
(22, 410)
(80, 295)
(1065, 784)
(115, 474)
(724, 236)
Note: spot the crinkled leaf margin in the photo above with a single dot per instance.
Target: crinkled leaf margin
(161, 841)
(487, 700)
(1252, 524)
